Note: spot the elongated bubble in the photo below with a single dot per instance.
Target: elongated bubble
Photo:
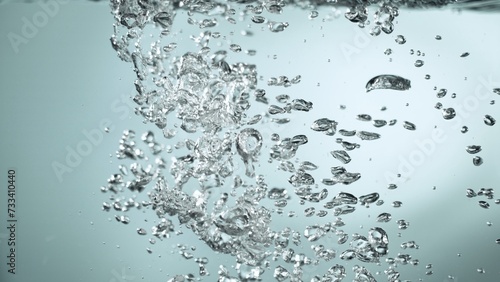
(409, 125)
(388, 81)
(473, 149)
(341, 155)
(365, 135)
(379, 122)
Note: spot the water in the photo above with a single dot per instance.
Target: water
(273, 148)
(210, 93)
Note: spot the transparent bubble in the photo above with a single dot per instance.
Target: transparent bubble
(400, 39)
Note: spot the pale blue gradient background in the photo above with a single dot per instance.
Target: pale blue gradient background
(67, 79)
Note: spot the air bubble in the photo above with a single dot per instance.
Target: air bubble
(489, 120)
(235, 48)
(441, 93)
(448, 113)
(473, 149)
(258, 19)
(477, 161)
(410, 126)
(484, 204)
(388, 81)
(400, 39)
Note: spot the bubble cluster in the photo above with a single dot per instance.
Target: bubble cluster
(205, 96)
